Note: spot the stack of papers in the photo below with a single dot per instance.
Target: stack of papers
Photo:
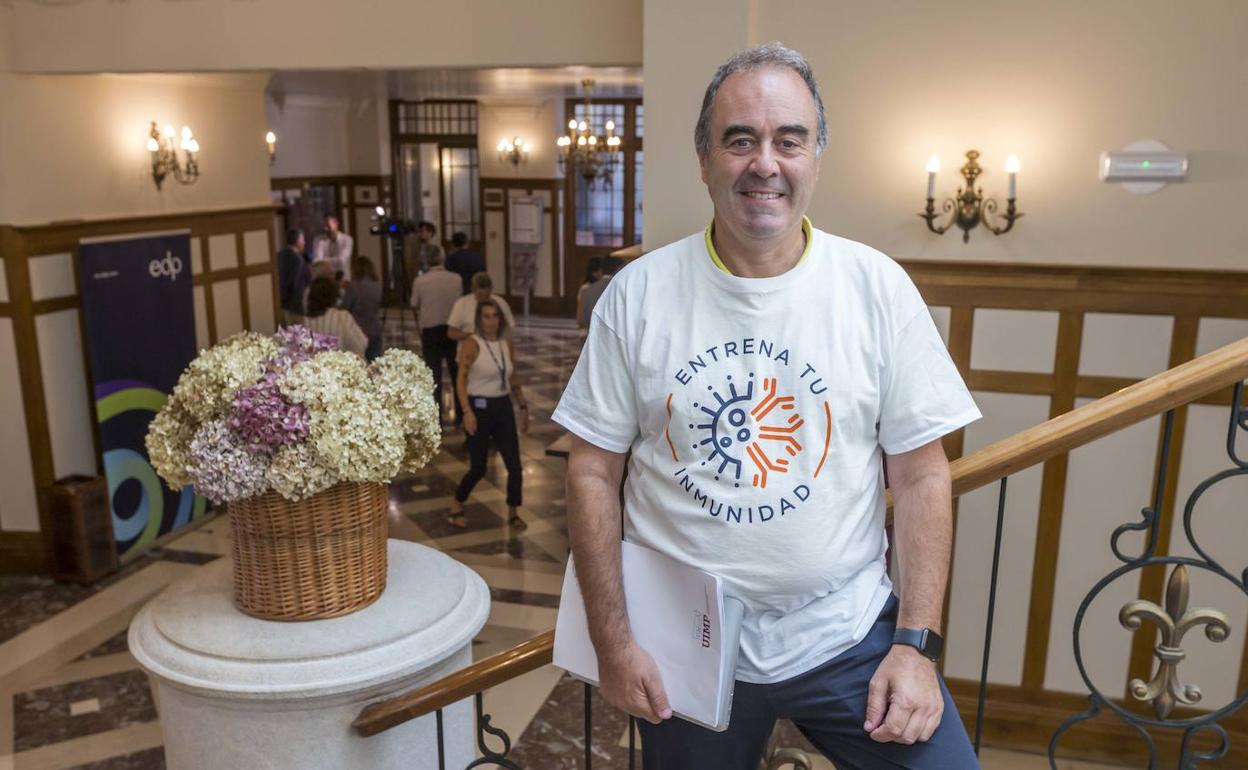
(680, 616)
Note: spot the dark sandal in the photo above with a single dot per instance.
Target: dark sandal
(517, 523)
(457, 520)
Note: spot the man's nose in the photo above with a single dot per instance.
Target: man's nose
(764, 164)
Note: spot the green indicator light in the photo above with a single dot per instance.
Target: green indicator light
(1145, 164)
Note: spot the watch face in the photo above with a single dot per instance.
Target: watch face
(933, 645)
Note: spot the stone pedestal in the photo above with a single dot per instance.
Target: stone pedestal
(236, 692)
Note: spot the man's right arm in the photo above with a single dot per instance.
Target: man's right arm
(628, 677)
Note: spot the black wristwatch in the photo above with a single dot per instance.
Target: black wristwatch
(925, 640)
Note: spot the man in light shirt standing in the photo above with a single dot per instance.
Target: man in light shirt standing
(464, 313)
(434, 293)
(760, 371)
(334, 246)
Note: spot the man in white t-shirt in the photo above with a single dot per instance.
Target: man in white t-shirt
(464, 312)
(759, 373)
(334, 246)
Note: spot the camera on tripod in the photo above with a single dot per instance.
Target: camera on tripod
(384, 224)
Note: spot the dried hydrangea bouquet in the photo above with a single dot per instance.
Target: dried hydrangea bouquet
(299, 440)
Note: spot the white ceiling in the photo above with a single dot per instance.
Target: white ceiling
(495, 83)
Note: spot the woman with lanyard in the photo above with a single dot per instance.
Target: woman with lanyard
(484, 388)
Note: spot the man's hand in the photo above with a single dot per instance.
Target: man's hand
(630, 681)
(904, 702)
(470, 422)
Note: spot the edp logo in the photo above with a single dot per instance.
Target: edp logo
(170, 266)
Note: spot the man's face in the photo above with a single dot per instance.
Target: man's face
(300, 243)
(331, 225)
(425, 234)
(761, 166)
(482, 294)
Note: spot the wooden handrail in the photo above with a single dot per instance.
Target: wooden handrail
(1156, 395)
(1181, 385)
(482, 675)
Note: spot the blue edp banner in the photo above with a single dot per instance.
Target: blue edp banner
(138, 312)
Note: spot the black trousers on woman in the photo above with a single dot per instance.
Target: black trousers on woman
(495, 422)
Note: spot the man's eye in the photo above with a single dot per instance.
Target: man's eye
(742, 142)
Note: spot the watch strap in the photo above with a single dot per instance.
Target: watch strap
(925, 640)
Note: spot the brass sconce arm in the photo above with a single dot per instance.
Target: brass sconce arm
(968, 209)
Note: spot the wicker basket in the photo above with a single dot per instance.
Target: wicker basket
(317, 558)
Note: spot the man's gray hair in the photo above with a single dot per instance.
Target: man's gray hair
(765, 55)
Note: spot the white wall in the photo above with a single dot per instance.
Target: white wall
(1055, 82)
(74, 146)
(312, 135)
(156, 36)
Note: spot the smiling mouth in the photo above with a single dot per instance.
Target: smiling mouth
(762, 196)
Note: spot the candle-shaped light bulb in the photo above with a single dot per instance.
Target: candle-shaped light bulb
(582, 126)
(580, 141)
(270, 138)
(610, 125)
(1011, 168)
(933, 168)
(593, 140)
(152, 144)
(572, 124)
(192, 146)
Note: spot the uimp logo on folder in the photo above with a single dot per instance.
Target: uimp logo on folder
(679, 615)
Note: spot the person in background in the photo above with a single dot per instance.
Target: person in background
(293, 276)
(334, 246)
(434, 293)
(461, 325)
(362, 299)
(325, 318)
(463, 261)
(418, 256)
(593, 272)
(486, 390)
(591, 294)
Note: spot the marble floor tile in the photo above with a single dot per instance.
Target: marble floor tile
(43, 717)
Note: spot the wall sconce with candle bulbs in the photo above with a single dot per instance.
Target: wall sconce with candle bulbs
(270, 139)
(968, 208)
(514, 151)
(160, 145)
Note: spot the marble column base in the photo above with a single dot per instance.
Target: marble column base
(234, 691)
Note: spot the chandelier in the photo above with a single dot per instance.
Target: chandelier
(583, 152)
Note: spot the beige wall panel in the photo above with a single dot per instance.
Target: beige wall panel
(1014, 340)
(197, 255)
(275, 35)
(52, 275)
(1125, 345)
(496, 248)
(1218, 526)
(260, 303)
(201, 319)
(18, 507)
(70, 413)
(1004, 415)
(222, 252)
(366, 194)
(1108, 482)
(256, 247)
(941, 317)
(227, 304)
(1217, 332)
(100, 168)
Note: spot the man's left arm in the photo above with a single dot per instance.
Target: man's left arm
(904, 702)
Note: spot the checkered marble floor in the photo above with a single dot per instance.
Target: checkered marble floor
(72, 696)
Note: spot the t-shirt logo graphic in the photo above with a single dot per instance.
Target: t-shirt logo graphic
(759, 428)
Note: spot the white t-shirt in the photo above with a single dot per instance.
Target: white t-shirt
(464, 313)
(757, 412)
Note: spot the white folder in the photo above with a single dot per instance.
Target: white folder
(680, 616)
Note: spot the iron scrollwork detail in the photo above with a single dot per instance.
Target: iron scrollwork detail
(1164, 691)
